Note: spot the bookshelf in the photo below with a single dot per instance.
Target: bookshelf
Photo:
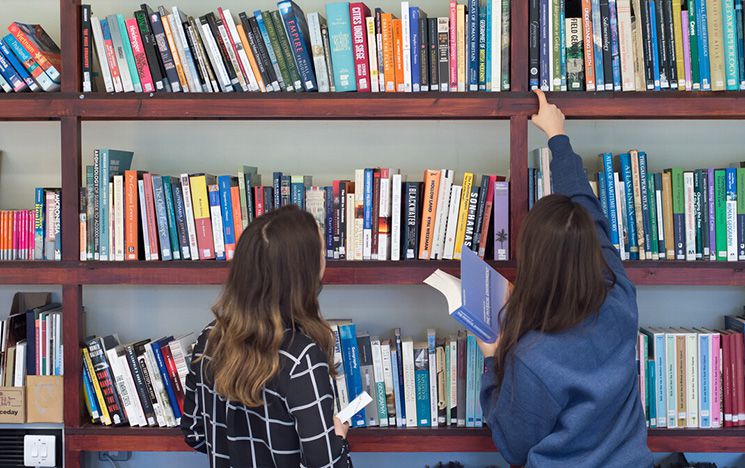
(71, 108)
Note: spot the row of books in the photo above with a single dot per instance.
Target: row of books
(140, 384)
(636, 45)
(676, 214)
(29, 60)
(412, 383)
(33, 234)
(30, 341)
(352, 49)
(132, 215)
(693, 378)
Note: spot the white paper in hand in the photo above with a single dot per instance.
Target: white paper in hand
(354, 406)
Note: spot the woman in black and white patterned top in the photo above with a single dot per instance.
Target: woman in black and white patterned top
(259, 391)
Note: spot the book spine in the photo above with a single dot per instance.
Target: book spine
(716, 44)
(218, 235)
(473, 45)
(33, 49)
(161, 218)
(409, 242)
(641, 181)
(226, 211)
(390, 376)
(731, 60)
(372, 56)
(173, 235)
(461, 25)
(720, 197)
(452, 222)
(414, 38)
(660, 26)
(118, 247)
(433, 59)
(625, 160)
(662, 239)
(740, 41)
(432, 368)
(703, 44)
(395, 217)
(638, 209)
(615, 46)
(384, 215)
(704, 389)
(339, 25)
(610, 195)
(180, 218)
(297, 29)
(654, 242)
(375, 214)
(740, 175)
(421, 385)
(103, 195)
(351, 359)
(429, 211)
(379, 388)
(654, 33)
(453, 47)
(534, 26)
(189, 215)
(731, 214)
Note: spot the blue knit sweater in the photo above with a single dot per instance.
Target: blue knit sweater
(572, 398)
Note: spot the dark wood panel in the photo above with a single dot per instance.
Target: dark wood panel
(72, 326)
(35, 106)
(71, 182)
(518, 45)
(518, 178)
(70, 44)
(671, 273)
(37, 272)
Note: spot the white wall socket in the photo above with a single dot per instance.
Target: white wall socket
(39, 450)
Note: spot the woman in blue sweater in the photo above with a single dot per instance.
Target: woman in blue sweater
(561, 388)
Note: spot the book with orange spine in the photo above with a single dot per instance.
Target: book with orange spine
(398, 55)
(429, 212)
(131, 218)
(386, 20)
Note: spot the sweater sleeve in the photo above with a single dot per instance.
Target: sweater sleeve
(569, 179)
(192, 422)
(520, 413)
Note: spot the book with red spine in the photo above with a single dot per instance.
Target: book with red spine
(739, 377)
(111, 55)
(358, 11)
(131, 235)
(726, 379)
(40, 46)
(454, 45)
(336, 227)
(375, 214)
(259, 200)
(147, 179)
(488, 204)
(138, 50)
(178, 389)
(235, 199)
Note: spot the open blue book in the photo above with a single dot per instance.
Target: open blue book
(475, 299)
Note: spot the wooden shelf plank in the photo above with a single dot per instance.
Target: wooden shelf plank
(37, 272)
(35, 106)
(96, 438)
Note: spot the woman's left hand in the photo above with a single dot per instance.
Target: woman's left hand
(488, 348)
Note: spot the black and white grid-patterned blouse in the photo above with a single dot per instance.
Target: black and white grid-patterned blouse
(294, 427)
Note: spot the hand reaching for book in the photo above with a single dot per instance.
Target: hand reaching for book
(549, 118)
(488, 349)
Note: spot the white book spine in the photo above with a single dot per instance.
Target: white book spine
(160, 391)
(672, 381)
(380, 389)
(121, 58)
(453, 381)
(620, 200)
(692, 370)
(112, 225)
(241, 80)
(6, 86)
(396, 217)
(186, 66)
(122, 389)
(160, 418)
(407, 349)
(132, 389)
(406, 42)
(316, 45)
(143, 217)
(217, 231)
(626, 45)
(20, 364)
(350, 241)
(384, 213)
(443, 205)
(385, 355)
(101, 52)
(690, 217)
(452, 224)
(119, 218)
(661, 224)
(372, 54)
(245, 64)
(215, 58)
(495, 35)
(359, 203)
(189, 212)
(731, 212)
(208, 85)
(432, 362)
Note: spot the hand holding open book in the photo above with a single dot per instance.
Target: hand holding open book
(476, 299)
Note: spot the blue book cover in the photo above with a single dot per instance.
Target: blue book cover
(182, 226)
(421, 379)
(414, 33)
(615, 50)
(396, 393)
(563, 41)
(103, 193)
(651, 397)
(128, 53)
(329, 208)
(470, 301)
(285, 195)
(269, 49)
(625, 159)
(226, 208)
(473, 45)
(163, 370)
(39, 223)
(531, 187)
(277, 185)
(470, 380)
(610, 194)
(544, 32)
(739, 18)
(18, 67)
(597, 40)
(297, 188)
(11, 75)
(214, 201)
(655, 45)
(731, 62)
(645, 203)
(340, 42)
(368, 199)
(400, 367)
(30, 64)
(351, 359)
(482, 48)
(602, 194)
(90, 396)
(704, 388)
(161, 218)
(299, 37)
(478, 372)
(703, 45)
(171, 213)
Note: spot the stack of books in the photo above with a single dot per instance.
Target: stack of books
(132, 215)
(352, 48)
(29, 60)
(33, 234)
(636, 45)
(676, 214)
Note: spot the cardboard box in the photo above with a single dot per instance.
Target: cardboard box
(12, 405)
(44, 399)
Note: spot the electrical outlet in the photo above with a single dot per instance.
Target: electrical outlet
(39, 450)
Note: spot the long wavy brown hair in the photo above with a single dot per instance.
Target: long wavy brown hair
(562, 277)
(273, 285)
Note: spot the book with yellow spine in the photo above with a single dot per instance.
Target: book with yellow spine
(465, 198)
(105, 418)
(202, 220)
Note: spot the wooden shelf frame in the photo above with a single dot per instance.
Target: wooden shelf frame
(71, 108)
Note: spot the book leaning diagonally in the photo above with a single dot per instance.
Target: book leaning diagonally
(476, 299)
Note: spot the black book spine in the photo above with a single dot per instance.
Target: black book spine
(662, 46)
(85, 48)
(268, 199)
(423, 52)
(607, 52)
(151, 50)
(646, 26)
(263, 54)
(434, 79)
(379, 44)
(443, 52)
(703, 174)
(148, 379)
(248, 179)
(672, 58)
(534, 31)
(480, 212)
(196, 57)
(212, 22)
(134, 366)
(253, 44)
(106, 380)
(342, 219)
(169, 67)
(471, 218)
(411, 231)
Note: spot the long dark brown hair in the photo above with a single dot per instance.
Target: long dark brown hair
(273, 284)
(562, 277)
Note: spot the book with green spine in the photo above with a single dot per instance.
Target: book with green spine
(653, 236)
(284, 69)
(171, 215)
(678, 213)
(693, 32)
(720, 205)
(279, 31)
